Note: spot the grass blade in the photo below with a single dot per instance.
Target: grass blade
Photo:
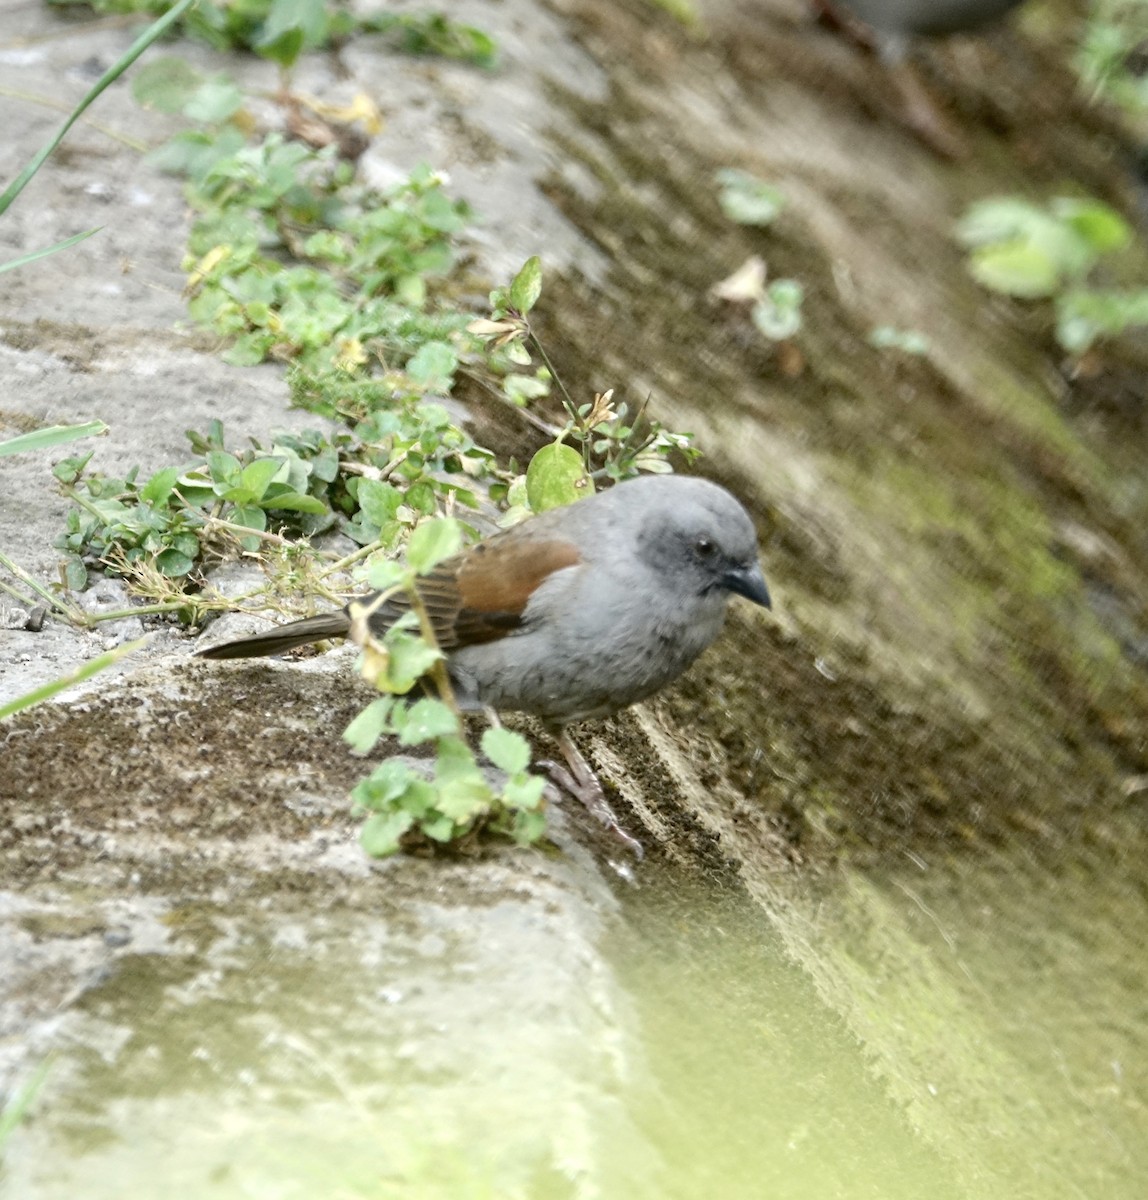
(52, 435)
(154, 31)
(86, 671)
(24, 260)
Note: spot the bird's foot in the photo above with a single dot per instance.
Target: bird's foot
(589, 792)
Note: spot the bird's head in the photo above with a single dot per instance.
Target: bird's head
(699, 534)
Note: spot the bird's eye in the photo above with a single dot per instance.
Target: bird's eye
(704, 547)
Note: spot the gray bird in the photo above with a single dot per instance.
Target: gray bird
(576, 613)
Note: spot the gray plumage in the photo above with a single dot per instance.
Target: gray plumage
(633, 588)
(632, 616)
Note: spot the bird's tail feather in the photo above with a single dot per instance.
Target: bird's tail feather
(286, 637)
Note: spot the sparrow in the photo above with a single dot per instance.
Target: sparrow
(574, 614)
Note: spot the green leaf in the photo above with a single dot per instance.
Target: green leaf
(75, 574)
(284, 49)
(421, 497)
(1015, 269)
(432, 542)
(1104, 229)
(216, 101)
(528, 826)
(31, 257)
(433, 366)
(778, 313)
(370, 725)
(509, 751)
(295, 502)
(1001, 219)
(464, 798)
(524, 791)
(307, 17)
(1085, 315)
(527, 285)
(159, 487)
(410, 659)
(18, 1104)
(441, 829)
(173, 563)
(224, 467)
(908, 341)
(68, 470)
(382, 832)
(747, 200)
(378, 500)
(52, 435)
(386, 784)
(258, 474)
(521, 389)
(556, 476)
(250, 516)
(166, 84)
(385, 573)
(427, 719)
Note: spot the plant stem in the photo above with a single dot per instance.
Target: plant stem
(17, 596)
(142, 610)
(344, 563)
(438, 672)
(75, 615)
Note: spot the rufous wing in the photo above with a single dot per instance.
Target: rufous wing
(481, 594)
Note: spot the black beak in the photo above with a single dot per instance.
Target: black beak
(748, 582)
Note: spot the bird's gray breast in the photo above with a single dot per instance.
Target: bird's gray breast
(590, 644)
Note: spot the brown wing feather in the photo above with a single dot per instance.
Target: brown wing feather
(477, 596)
(480, 595)
(498, 578)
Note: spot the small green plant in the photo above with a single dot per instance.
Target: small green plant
(154, 31)
(777, 312)
(1021, 249)
(598, 440)
(448, 797)
(775, 307)
(291, 260)
(56, 435)
(908, 341)
(281, 30)
(748, 200)
(1109, 58)
(169, 519)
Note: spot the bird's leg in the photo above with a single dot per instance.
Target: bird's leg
(581, 782)
(826, 13)
(923, 116)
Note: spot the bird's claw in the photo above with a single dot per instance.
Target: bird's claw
(592, 797)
